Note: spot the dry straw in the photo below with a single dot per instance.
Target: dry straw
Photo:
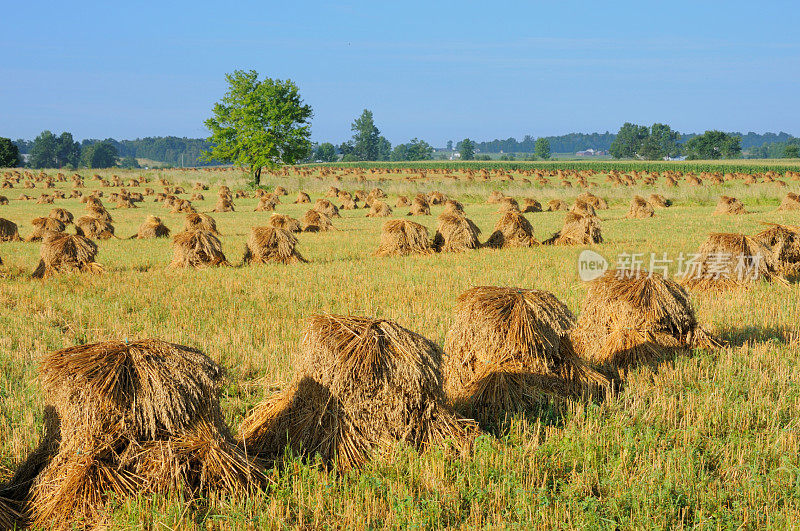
(379, 209)
(790, 202)
(419, 207)
(280, 221)
(729, 205)
(313, 221)
(729, 261)
(62, 252)
(270, 244)
(635, 317)
(640, 208)
(597, 202)
(579, 229)
(401, 237)
(200, 221)
(302, 197)
(94, 227)
(455, 233)
(9, 231)
(508, 350)
(784, 241)
(42, 226)
(658, 201)
(64, 216)
(197, 248)
(133, 418)
(512, 230)
(323, 206)
(152, 228)
(361, 386)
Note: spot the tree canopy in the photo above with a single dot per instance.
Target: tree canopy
(713, 145)
(653, 143)
(366, 137)
(467, 149)
(542, 148)
(9, 153)
(101, 155)
(326, 152)
(259, 123)
(43, 151)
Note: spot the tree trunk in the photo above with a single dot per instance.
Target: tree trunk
(257, 176)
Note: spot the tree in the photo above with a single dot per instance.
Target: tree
(791, 151)
(100, 155)
(9, 153)
(629, 141)
(419, 150)
(542, 148)
(400, 152)
(259, 123)
(660, 142)
(467, 149)
(43, 151)
(68, 152)
(713, 145)
(449, 145)
(129, 163)
(365, 137)
(326, 152)
(384, 148)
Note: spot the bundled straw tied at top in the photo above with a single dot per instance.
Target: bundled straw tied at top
(635, 317)
(224, 204)
(531, 205)
(42, 226)
(507, 204)
(790, 202)
(658, 201)
(134, 417)
(579, 229)
(64, 216)
(597, 202)
(419, 207)
(9, 231)
(313, 221)
(451, 206)
(640, 209)
(512, 230)
(201, 221)
(401, 237)
(284, 222)
(94, 227)
(784, 241)
(455, 233)
(509, 350)
(62, 252)
(302, 197)
(270, 244)
(730, 261)
(323, 206)
(729, 205)
(197, 248)
(152, 228)
(379, 209)
(361, 385)
(555, 205)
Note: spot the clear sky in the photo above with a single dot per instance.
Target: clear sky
(434, 70)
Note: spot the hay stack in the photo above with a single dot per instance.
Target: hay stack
(270, 244)
(349, 204)
(509, 350)
(402, 201)
(182, 206)
(507, 204)
(512, 230)
(9, 232)
(224, 204)
(64, 216)
(640, 209)
(401, 237)
(42, 226)
(729, 205)
(94, 227)
(784, 241)
(597, 202)
(313, 221)
(555, 205)
(361, 386)
(419, 207)
(279, 221)
(379, 209)
(455, 233)
(98, 211)
(494, 197)
(790, 202)
(151, 228)
(658, 201)
(451, 206)
(531, 205)
(578, 230)
(302, 197)
(134, 418)
(634, 317)
(197, 248)
(201, 221)
(61, 253)
(323, 206)
(267, 203)
(729, 261)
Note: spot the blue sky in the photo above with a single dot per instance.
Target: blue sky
(434, 70)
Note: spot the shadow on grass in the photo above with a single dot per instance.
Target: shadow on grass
(736, 337)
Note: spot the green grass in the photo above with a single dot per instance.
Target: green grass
(709, 440)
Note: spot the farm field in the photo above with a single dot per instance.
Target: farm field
(707, 440)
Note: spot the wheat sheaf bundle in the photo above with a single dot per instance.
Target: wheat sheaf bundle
(42, 226)
(578, 229)
(658, 201)
(9, 232)
(790, 202)
(62, 215)
(512, 230)
(62, 252)
(152, 227)
(640, 208)
(509, 350)
(636, 317)
(379, 209)
(361, 385)
(455, 233)
(133, 417)
(94, 227)
(201, 221)
(270, 244)
(197, 248)
(313, 221)
(323, 206)
(280, 221)
(784, 241)
(730, 261)
(401, 237)
(729, 205)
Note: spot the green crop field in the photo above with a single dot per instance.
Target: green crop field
(707, 440)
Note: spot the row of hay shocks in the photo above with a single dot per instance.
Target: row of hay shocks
(126, 418)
